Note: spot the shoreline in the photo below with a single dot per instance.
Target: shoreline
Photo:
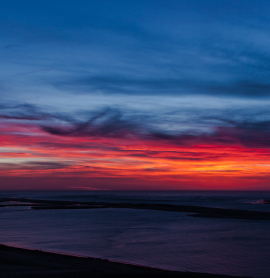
(196, 211)
(19, 262)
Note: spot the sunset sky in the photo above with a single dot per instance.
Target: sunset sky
(135, 95)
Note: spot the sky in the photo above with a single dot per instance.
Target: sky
(135, 95)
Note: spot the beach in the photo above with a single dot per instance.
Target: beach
(22, 263)
(162, 234)
(135, 139)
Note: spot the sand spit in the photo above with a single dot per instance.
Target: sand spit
(197, 211)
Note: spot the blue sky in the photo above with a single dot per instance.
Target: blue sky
(185, 59)
(215, 48)
(176, 66)
(172, 88)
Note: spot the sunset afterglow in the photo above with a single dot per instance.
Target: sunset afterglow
(107, 154)
(141, 95)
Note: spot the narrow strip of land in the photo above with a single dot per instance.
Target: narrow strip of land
(24, 263)
(197, 211)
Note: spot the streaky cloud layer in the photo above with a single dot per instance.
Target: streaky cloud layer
(134, 95)
(108, 145)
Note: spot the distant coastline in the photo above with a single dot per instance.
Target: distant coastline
(197, 211)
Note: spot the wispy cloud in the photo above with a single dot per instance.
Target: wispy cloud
(34, 165)
(115, 123)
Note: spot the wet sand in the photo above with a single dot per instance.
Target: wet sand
(24, 263)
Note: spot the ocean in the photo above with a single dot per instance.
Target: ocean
(162, 239)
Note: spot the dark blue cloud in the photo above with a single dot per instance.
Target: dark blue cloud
(181, 48)
(247, 128)
(159, 86)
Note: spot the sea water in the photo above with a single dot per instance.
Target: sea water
(167, 240)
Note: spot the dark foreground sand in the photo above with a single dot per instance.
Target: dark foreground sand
(17, 262)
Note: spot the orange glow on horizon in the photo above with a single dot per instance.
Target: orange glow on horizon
(30, 153)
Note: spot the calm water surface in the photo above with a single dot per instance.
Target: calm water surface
(169, 240)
